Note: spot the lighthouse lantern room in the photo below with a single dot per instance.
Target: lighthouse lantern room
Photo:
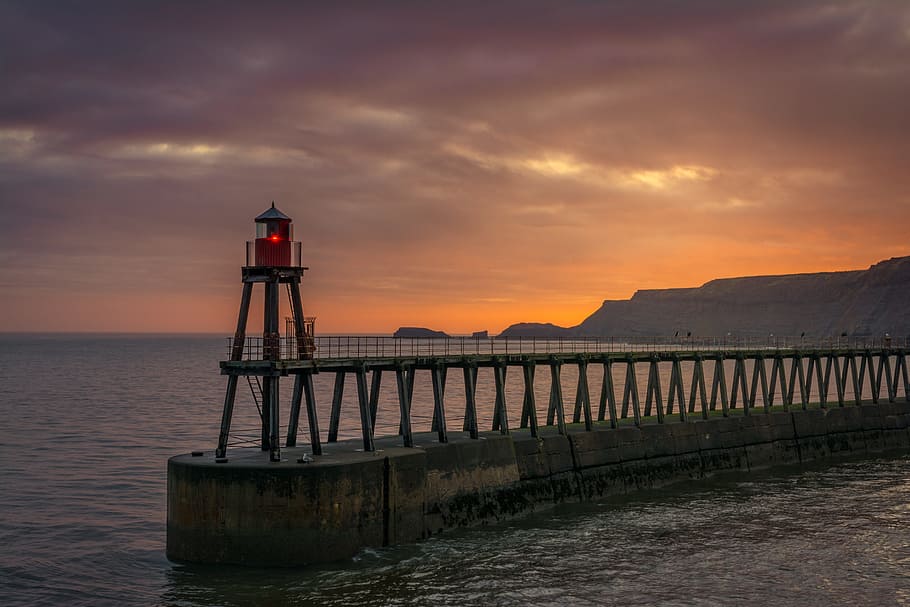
(274, 245)
(272, 259)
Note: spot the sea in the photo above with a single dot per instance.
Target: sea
(87, 423)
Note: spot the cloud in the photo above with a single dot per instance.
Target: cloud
(668, 178)
(454, 161)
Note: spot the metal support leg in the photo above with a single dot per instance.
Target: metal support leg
(294, 415)
(719, 385)
(226, 415)
(404, 406)
(311, 413)
(556, 409)
(676, 390)
(858, 377)
(838, 380)
(335, 413)
(270, 351)
(739, 384)
(529, 412)
(797, 372)
(759, 379)
(813, 371)
(265, 420)
(240, 333)
(274, 429)
(499, 404)
(698, 388)
(630, 393)
(875, 379)
(439, 409)
(434, 426)
(583, 395)
(366, 423)
(889, 378)
(607, 396)
(824, 381)
(502, 421)
(470, 401)
(236, 354)
(654, 392)
(375, 385)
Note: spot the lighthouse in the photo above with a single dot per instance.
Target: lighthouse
(273, 258)
(274, 239)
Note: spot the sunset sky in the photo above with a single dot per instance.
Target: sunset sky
(457, 165)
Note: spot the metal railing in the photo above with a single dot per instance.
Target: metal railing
(270, 348)
(353, 346)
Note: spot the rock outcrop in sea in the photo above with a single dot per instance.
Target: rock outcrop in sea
(418, 332)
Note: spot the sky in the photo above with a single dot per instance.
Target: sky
(456, 165)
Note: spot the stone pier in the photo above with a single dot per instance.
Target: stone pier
(304, 510)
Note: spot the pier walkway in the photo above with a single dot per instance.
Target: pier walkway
(764, 372)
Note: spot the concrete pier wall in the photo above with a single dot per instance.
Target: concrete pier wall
(256, 512)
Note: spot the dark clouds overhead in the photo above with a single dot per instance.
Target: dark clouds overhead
(463, 165)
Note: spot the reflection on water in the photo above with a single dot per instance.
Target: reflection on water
(82, 512)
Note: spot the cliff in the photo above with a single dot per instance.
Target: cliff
(859, 302)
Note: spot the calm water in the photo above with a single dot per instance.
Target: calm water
(89, 422)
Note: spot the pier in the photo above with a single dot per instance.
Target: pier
(667, 410)
(326, 499)
(783, 372)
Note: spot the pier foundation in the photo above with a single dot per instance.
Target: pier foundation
(304, 510)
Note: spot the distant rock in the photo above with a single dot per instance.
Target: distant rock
(418, 332)
(855, 303)
(535, 329)
(480, 334)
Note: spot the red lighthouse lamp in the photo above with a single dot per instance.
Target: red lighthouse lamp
(274, 245)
